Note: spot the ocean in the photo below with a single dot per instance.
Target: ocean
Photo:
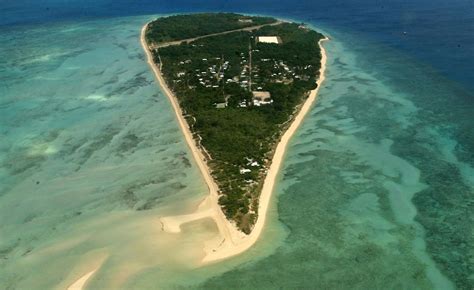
(376, 190)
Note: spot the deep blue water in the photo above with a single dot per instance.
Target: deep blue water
(438, 32)
(377, 190)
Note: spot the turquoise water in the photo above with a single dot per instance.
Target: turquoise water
(90, 154)
(376, 191)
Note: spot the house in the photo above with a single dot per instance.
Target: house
(224, 104)
(252, 162)
(245, 20)
(243, 104)
(261, 98)
(302, 26)
(269, 39)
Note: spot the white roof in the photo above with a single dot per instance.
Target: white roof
(268, 39)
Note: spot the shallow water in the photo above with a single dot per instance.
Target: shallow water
(376, 190)
(91, 156)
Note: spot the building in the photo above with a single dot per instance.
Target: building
(245, 20)
(261, 98)
(224, 104)
(269, 39)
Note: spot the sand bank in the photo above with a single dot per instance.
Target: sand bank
(79, 284)
(232, 241)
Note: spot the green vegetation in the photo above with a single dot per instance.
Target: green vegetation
(188, 26)
(214, 79)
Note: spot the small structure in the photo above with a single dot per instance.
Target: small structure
(252, 162)
(245, 20)
(303, 26)
(261, 98)
(269, 39)
(224, 104)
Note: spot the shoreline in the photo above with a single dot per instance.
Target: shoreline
(232, 241)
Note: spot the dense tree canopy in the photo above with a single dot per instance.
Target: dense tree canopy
(188, 26)
(225, 69)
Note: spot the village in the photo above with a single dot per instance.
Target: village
(244, 76)
(251, 71)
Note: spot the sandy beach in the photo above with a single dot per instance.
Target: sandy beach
(232, 241)
(79, 284)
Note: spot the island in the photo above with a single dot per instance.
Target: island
(240, 87)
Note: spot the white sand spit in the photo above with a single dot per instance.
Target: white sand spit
(79, 284)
